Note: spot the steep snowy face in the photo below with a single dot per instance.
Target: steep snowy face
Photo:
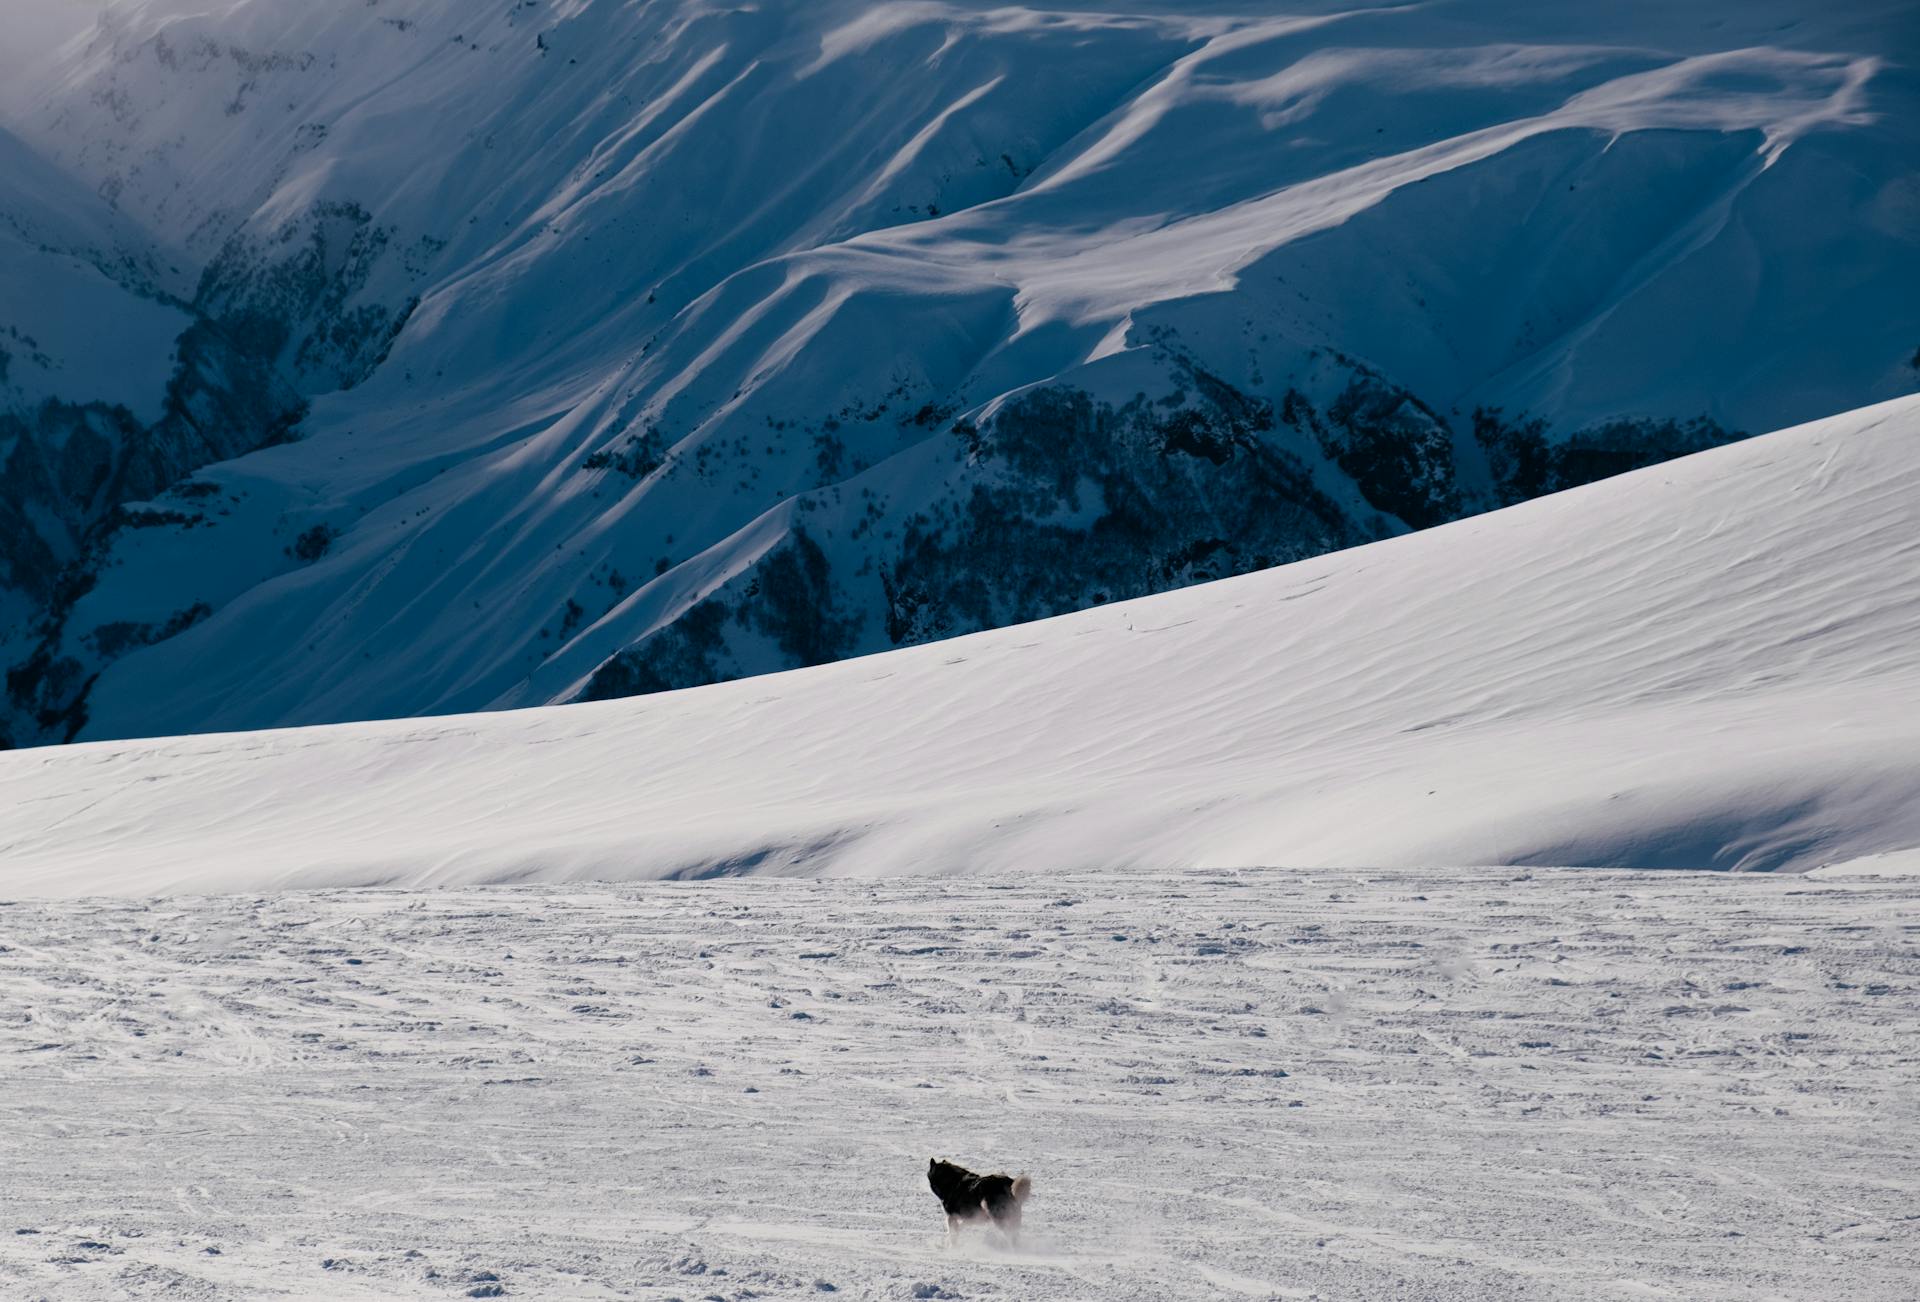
(111, 390)
(653, 344)
(1705, 664)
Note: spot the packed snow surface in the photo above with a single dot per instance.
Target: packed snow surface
(1430, 1086)
(1710, 663)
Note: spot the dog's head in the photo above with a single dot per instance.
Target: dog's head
(942, 1176)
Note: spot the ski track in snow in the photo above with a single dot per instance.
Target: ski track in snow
(1410, 1084)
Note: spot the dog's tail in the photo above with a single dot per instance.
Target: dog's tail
(1022, 1188)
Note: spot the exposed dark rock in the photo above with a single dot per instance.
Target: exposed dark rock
(313, 543)
(792, 601)
(298, 299)
(683, 654)
(115, 639)
(77, 474)
(1098, 500)
(1396, 449)
(1066, 501)
(56, 688)
(637, 457)
(54, 487)
(1524, 462)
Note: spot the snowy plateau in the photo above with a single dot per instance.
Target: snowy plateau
(624, 619)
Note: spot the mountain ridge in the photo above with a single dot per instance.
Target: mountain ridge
(1694, 665)
(645, 347)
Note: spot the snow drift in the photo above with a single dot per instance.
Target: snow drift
(1706, 664)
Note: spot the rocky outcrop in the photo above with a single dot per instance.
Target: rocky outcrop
(1076, 502)
(1524, 461)
(791, 600)
(70, 473)
(300, 297)
(1065, 500)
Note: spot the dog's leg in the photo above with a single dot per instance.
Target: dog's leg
(953, 1229)
(990, 1218)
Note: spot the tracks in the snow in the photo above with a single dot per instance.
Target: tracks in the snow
(1424, 1085)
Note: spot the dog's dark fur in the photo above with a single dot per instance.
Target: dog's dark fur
(969, 1197)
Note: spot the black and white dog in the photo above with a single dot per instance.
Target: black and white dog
(970, 1198)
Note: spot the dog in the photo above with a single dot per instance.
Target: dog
(970, 1198)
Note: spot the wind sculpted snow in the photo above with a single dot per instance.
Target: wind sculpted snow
(1705, 664)
(650, 345)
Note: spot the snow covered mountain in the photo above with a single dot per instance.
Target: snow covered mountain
(1709, 663)
(112, 391)
(411, 358)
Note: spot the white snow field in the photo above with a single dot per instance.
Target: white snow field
(1712, 663)
(1464, 1085)
(1238, 916)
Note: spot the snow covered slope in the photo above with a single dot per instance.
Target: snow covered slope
(111, 389)
(654, 344)
(69, 330)
(1709, 663)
